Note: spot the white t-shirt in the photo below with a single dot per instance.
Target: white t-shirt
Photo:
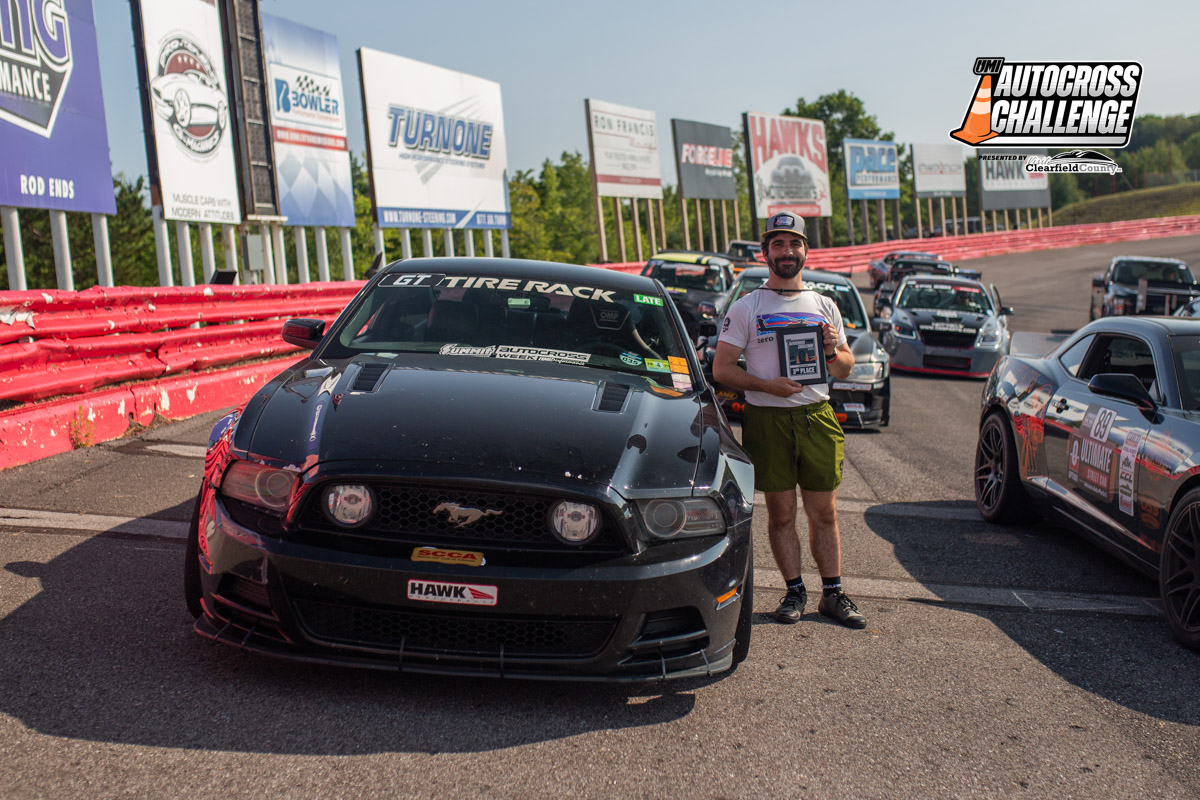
(750, 323)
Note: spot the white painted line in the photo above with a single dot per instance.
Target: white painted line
(186, 450)
(97, 523)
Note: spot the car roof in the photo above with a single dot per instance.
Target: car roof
(702, 258)
(1172, 326)
(542, 270)
(1158, 259)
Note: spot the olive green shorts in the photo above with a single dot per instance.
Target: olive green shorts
(794, 446)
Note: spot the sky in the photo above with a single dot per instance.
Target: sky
(909, 62)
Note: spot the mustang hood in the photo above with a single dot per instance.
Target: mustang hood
(463, 419)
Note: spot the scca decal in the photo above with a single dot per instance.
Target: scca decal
(441, 556)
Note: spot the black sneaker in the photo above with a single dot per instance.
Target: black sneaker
(840, 608)
(791, 607)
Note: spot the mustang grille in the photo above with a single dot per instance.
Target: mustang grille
(454, 634)
(948, 339)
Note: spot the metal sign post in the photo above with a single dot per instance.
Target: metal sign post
(62, 250)
(13, 254)
(322, 254)
(347, 255)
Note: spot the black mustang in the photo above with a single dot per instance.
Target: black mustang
(485, 467)
(1104, 434)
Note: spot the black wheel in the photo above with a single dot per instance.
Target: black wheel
(998, 491)
(1179, 571)
(191, 565)
(741, 643)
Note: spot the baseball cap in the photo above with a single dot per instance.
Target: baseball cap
(785, 221)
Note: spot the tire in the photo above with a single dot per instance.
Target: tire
(1179, 571)
(191, 565)
(998, 491)
(741, 639)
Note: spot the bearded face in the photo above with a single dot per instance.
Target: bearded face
(785, 254)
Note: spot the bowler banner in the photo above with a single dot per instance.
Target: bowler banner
(1006, 182)
(788, 165)
(624, 144)
(938, 170)
(872, 171)
(435, 145)
(308, 124)
(187, 96)
(704, 159)
(52, 133)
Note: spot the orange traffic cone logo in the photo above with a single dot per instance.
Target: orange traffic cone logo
(977, 125)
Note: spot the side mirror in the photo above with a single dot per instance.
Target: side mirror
(880, 324)
(1006, 311)
(708, 328)
(1098, 282)
(304, 332)
(1122, 386)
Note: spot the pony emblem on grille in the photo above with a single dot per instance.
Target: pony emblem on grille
(463, 516)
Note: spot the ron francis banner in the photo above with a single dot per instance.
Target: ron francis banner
(788, 165)
(939, 171)
(435, 145)
(624, 150)
(186, 101)
(872, 170)
(1005, 182)
(704, 160)
(52, 129)
(308, 124)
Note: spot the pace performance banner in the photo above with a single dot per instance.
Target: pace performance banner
(308, 124)
(624, 145)
(52, 133)
(193, 161)
(872, 170)
(1006, 183)
(938, 170)
(788, 165)
(704, 159)
(435, 145)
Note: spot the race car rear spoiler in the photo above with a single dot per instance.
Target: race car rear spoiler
(1163, 297)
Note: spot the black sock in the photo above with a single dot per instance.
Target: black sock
(795, 586)
(832, 585)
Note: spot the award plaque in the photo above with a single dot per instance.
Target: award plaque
(802, 353)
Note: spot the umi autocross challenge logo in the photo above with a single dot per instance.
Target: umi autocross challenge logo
(35, 62)
(188, 94)
(1051, 103)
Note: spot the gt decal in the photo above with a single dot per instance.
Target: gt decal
(438, 555)
(466, 594)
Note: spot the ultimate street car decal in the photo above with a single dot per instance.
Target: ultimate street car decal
(1090, 457)
(431, 280)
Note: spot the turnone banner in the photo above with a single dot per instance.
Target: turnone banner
(1005, 182)
(52, 132)
(435, 145)
(938, 170)
(788, 165)
(704, 159)
(187, 97)
(624, 145)
(872, 170)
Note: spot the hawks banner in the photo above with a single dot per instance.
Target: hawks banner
(435, 145)
(788, 165)
(308, 124)
(187, 101)
(52, 130)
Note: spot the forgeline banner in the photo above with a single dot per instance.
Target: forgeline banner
(704, 160)
(308, 124)
(939, 171)
(872, 170)
(788, 165)
(435, 144)
(188, 99)
(1005, 182)
(624, 145)
(52, 129)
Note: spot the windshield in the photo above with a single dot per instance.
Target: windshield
(1187, 367)
(687, 276)
(516, 319)
(944, 296)
(848, 302)
(1169, 272)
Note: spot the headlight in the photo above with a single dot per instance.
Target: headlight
(867, 372)
(574, 523)
(259, 485)
(690, 516)
(988, 338)
(348, 504)
(903, 331)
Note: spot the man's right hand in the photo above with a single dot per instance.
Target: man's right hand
(782, 387)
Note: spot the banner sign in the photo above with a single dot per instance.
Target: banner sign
(624, 145)
(704, 159)
(435, 145)
(938, 170)
(1006, 183)
(788, 165)
(188, 101)
(872, 171)
(308, 124)
(52, 133)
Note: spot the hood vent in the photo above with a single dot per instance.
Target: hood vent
(611, 397)
(368, 377)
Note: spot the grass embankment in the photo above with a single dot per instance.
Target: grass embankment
(1179, 200)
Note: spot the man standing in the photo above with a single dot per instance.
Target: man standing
(789, 429)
